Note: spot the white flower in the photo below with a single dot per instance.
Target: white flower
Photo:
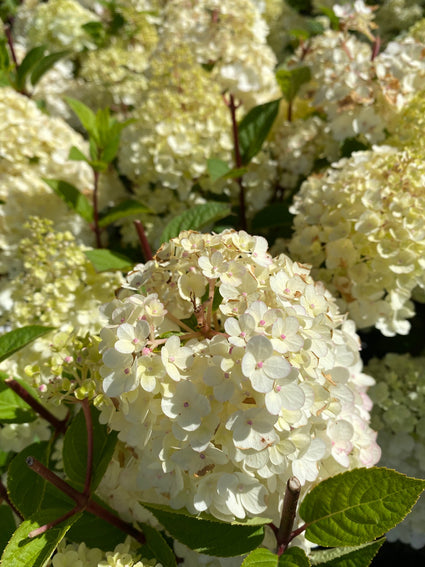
(261, 366)
(175, 358)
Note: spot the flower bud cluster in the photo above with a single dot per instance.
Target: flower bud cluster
(399, 416)
(230, 372)
(79, 555)
(361, 225)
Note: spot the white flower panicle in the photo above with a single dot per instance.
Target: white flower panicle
(361, 225)
(238, 371)
(399, 416)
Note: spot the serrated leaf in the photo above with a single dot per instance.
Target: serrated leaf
(77, 155)
(14, 340)
(75, 449)
(13, 409)
(276, 215)
(85, 115)
(291, 80)
(23, 551)
(123, 210)
(210, 537)
(293, 557)
(358, 506)
(195, 218)
(31, 59)
(8, 526)
(46, 64)
(255, 127)
(217, 168)
(358, 556)
(72, 197)
(105, 260)
(157, 546)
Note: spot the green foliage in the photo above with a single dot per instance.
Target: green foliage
(291, 80)
(272, 216)
(208, 536)
(195, 218)
(13, 409)
(8, 526)
(255, 127)
(106, 260)
(293, 557)
(17, 339)
(156, 546)
(123, 210)
(75, 200)
(358, 556)
(358, 506)
(218, 169)
(75, 449)
(23, 551)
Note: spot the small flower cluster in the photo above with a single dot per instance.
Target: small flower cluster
(79, 555)
(237, 371)
(361, 225)
(399, 417)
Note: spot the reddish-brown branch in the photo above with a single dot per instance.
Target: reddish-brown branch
(89, 425)
(144, 244)
(290, 501)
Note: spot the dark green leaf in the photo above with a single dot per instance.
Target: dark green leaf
(75, 449)
(276, 215)
(195, 218)
(46, 64)
(358, 506)
(4, 55)
(23, 551)
(13, 409)
(84, 114)
(291, 80)
(14, 340)
(255, 127)
(96, 31)
(77, 155)
(31, 59)
(359, 556)
(157, 546)
(293, 557)
(8, 526)
(217, 168)
(105, 260)
(208, 536)
(123, 210)
(72, 197)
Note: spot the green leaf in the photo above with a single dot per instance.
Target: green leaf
(217, 168)
(105, 260)
(77, 155)
(157, 546)
(291, 80)
(8, 526)
(195, 218)
(4, 55)
(123, 210)
(86, 116)
(255, 127)
(358, 506)
(26, 488)
(72, 197)
(31, 59)
(75, 449)
(276, 215)
(208, 536)
(13, 409)
(46, 64)
(23, 551)
(96, 31)
(14, 340)
(293, 557)
(358, 556)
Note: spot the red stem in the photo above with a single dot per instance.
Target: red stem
(59, 425)
(290, 501)
(146, 249)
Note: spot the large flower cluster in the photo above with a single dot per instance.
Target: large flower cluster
(35, 146)
(361, 226)
(399, 417)
(229, 372)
